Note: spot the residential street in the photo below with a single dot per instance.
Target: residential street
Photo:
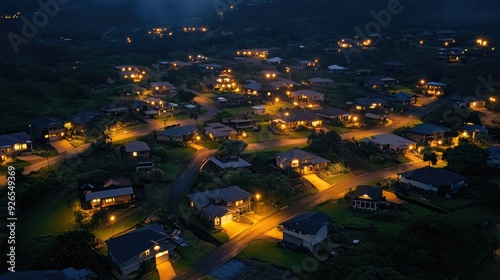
(233, 246)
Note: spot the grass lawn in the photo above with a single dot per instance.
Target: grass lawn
(130, 128)
(301, 195)
(123, 222)
(53, 218)
(458, 202)
(170, 120)
(473, 214)
(269, 252)
(239, 110)
(191, 254)
(17, 164)
(337, 178)
(182, 153)
(221, 236)
(337, 129)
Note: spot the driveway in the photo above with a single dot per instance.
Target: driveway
(316, 181)
(233, 228)
(62, 146)
(165, 270)
(30, 158)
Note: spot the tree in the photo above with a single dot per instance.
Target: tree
(73, 248)
(185, 96)
(328, 144)
(430, 156)
(194, 117)
(277, 187)
(231, 147)
(467, 158)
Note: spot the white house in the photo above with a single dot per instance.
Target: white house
(436, 181)
(306, 230)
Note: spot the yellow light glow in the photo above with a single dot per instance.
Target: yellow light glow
(112, 218)
(157, 247)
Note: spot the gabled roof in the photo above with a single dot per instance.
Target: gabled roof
(43, 122)
(300, 116)
(393, 63)
(161, 84)
(117, 182)
(389, 139)
(309, 223)
(179, 131)
(436, 84)
(229, 194)
(7, 140)
(329, 111)
(219, 130)
(215, 210)
(238, 163)
(283, 82)
(474, 128)
(336, 67)
(253, 85)
(108, 193)
(84, 117)
(297, 153)
(427, 129)
(126, 247)
(367, 193)
(307, 92)
(137, 146)
(403, 96)
(433, 176)
(274, 59)
(321, 80)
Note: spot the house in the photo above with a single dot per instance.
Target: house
(114, 109)
(366, 198)
(114, 191)
(321, 82)
(436, 181)
(180, 134)
(14, 144)
(274, 60)
(390, 142)
(269, 74)
(137, 149)
(240, 123)
(145, 245)
(403, 99)
(467, 102)
(473, 131)
(376, 114)
(229, 162)
(131, 72)
(430, 134)
(308, 63)
(376, 83)
(300, 161)
(255, 53)
(307, 230)
(209, 67)
(298, 118)
(337, 69)
(236, 99)
(334, 114)
(224, 81)
(373, 198)
(163, 87)
(393, 66)
(306, 95)
(80, 120)
(50, 129)
(346, 43)
(434, 88)
(366, 103)
(283, 83)
(219, 132)
(259, 109)
(221, 205)
(180, 64)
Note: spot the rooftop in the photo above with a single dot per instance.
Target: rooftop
(309, 223)
(433, 176)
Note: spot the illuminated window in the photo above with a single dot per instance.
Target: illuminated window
(134, 154)
(97, 200)
(147, 252)
(295, 163)
(109, 200)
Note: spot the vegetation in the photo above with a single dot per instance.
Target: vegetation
(466, 158)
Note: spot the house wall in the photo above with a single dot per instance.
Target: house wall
(365, 204)
(117, 200)
(419, 185)
(305, 240)
(133, 264)
(143, 154)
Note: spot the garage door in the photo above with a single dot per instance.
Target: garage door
(226, 218)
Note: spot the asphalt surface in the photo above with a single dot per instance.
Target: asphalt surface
(232, 247)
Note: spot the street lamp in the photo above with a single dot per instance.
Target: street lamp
(257, 197)
(112, 220)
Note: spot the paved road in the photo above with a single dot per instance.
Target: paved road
(232, 247)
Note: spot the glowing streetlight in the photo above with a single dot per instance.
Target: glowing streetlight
(112, 220)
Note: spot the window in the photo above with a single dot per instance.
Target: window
(147, 252)
(97, 200)
(295, 163)
(109, 200)
(134, 154)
